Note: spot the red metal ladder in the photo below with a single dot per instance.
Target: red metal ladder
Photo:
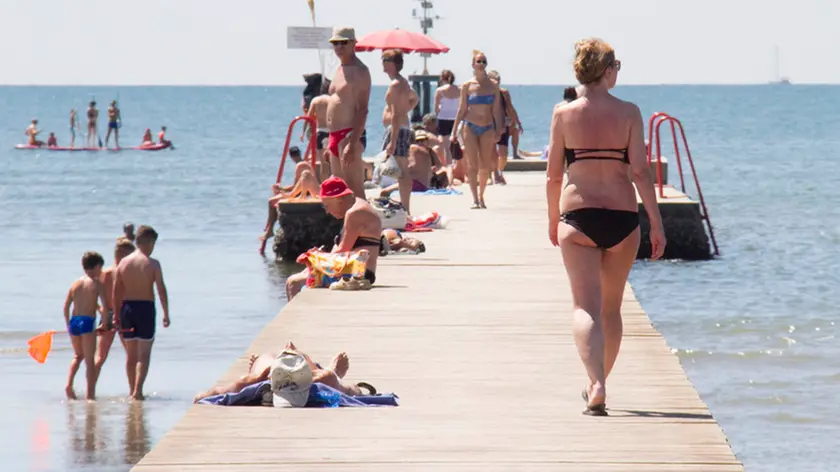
(654, 137)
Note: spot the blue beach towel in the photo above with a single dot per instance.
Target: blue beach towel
(320, 396)
(439, 191)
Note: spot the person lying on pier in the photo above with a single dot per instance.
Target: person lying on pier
(362, 229)
(304, 186)
(259, 370)
(423, 166)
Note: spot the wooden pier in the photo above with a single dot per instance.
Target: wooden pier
(475, 337)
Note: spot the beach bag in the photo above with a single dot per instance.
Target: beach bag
(388, 166)
(328, 267)
(391, 212)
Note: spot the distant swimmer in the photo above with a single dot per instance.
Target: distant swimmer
(113, 124)
(106, 328)
(128, 231)
(92, 116)
(74, 123)
(147, 138)
(83, 296)
(135, 281)
(52, 141)
(32, 132)
(347, 110)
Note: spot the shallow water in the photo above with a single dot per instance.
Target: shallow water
(755, 329)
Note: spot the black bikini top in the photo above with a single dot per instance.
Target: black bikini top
(361, 241)
(573, 155)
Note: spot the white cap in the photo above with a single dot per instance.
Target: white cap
(291, 378)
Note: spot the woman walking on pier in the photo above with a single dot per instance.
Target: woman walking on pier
(594, 218)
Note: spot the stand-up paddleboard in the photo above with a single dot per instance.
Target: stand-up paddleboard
(153, 147)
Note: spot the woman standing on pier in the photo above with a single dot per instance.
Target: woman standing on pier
(594, 218)
(447, 97)
(481, 111)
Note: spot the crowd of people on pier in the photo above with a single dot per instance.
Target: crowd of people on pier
(596, 153)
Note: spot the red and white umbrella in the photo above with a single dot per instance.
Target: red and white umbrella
(406, 41)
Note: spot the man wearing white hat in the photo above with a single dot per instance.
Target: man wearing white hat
(291, 377)
(347, 111)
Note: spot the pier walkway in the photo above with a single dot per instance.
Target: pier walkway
(475, 338)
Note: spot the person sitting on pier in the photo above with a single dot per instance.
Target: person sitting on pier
(304, 186)
(362, 229)
(423, 167)
(594, 217)
(259, 370)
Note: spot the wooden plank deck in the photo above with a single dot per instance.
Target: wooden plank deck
(474, 336)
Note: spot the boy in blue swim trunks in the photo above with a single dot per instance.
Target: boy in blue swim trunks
(83, 295)
(135, 281)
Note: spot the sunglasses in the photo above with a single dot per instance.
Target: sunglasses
(481, 61)
(339, 43)
(617, 64)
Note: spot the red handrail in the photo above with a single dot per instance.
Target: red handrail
(653, 133)
(310, 147)
(310, 153)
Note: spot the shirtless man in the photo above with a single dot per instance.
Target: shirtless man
(113, 124)
(318, 110)
(83, 295)
(135, 280)
(128, 231)
(305, 186)
(423, 165)
(398, 104)
(92, 116)
(259, 370)
(106, 327)
(32, 132)
(362, 229)
(347, 110)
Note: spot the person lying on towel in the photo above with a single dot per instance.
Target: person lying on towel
(260, 369)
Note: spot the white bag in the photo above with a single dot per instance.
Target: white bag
(388, 166)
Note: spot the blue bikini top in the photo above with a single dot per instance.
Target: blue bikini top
(481, 99)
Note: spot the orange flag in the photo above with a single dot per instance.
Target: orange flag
(40, 346)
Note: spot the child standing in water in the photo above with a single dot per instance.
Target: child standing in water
(83, 295)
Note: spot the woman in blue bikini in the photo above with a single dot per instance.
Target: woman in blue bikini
(594, 217)
(480, 109)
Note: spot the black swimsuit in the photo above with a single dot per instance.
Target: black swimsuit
(604, 226)
(361, 242)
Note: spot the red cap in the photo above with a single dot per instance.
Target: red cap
(334, 187)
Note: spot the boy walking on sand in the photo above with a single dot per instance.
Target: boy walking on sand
(106, 328)
(134, 293)
(83, 295)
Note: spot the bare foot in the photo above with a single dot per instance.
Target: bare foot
(291, 345)
(71, 395)
(138, 397)
(341, 364)
(251, 361)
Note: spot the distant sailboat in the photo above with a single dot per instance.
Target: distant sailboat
(778, 79)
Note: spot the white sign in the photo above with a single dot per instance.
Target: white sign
(308, 37)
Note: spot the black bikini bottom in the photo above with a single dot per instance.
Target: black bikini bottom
(603, 226)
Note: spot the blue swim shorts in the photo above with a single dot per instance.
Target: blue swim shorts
(80, 324)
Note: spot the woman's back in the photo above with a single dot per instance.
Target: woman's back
(597, 149)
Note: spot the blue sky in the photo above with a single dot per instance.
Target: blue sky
(224, 42)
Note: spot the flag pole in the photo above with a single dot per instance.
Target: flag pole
(315, 25)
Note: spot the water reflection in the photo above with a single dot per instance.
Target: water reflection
(93, 429)
(137, 441)
(278, 271)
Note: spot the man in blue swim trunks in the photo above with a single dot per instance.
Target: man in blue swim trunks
(83, 295)
(113, 124)
(135, 281)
